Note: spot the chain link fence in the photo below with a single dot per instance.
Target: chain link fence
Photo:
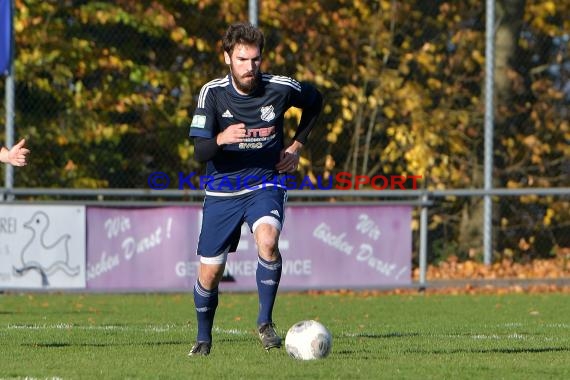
(105, 91)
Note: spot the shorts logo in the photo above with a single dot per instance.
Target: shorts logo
(198, 121)
(267, 113)
(275, 212)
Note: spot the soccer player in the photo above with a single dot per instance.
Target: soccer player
(15, 156)
(237, 130)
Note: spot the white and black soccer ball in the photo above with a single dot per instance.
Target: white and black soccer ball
(308, 340)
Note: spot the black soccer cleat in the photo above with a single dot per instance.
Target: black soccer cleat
(268, 336)
(200, 349)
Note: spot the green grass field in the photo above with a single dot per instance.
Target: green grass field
(419, 336)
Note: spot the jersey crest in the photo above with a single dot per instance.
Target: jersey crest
(267, 113)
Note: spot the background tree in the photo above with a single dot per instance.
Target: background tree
(105, 90)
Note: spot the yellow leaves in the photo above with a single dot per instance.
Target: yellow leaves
(389, 112)
(332, 138)
(478, 56)
(463, 117)
(61, 140)
(19, 25)
(102, 16)
(179, 35)
(426, 59)
(549, 7)
(112, 62)
(293, 46)
(201, 45)
(410, 104)
(303, 162)
(537, 148)
(329, 162)
(426, 62)
(185, 150)
(373, 101)
(419, 158)
(334, 131)
(434, 83)
(43, 84)
(181, 116)
(30, 56)
(78, 100)
(294, 113)
(399, 133)
(101, 132)
(347, 114)
(90, 183)
(386, 5)
(547, 220)
(392, 80)
(512, 184)
(106, 132)
(531, 141)
(541, 16)
(322, 81)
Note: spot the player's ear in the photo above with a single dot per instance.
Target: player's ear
(227, 58)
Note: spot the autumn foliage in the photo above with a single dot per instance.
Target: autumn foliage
(105, 90)
(453, 269)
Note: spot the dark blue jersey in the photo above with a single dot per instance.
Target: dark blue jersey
(250, 164)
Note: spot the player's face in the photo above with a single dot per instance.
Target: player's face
(244, 67)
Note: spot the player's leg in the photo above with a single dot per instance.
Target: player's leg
(265, 216)
(268, 276)
(268, 272)
(206, 299)
(221, 227)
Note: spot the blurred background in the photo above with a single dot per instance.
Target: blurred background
(104, 92)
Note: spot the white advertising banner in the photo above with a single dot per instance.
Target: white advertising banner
(42, 246)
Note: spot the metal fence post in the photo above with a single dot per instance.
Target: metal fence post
(252, 9)
(489, 119)
(423, 240)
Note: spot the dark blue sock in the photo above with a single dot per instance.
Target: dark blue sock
(206, 302)
(267, 275)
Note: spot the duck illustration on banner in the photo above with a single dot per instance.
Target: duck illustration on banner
(45, 257)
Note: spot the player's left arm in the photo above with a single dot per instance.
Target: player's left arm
(310, 101)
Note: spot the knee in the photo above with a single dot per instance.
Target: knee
(210, 275)
(267, 238)
(267, 245)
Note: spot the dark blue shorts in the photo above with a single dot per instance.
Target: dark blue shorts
(223, 217)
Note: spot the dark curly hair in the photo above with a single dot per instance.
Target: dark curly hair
(242, 33)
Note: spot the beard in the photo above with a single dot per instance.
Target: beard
(247, 83)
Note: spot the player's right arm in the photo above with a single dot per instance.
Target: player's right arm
(206, 149)
(205, 130)
(204, 126)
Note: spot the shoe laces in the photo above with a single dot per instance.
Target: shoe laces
(267, 329)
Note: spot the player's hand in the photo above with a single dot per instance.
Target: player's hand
(233, 134)
(289, 160)
(17, 154)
